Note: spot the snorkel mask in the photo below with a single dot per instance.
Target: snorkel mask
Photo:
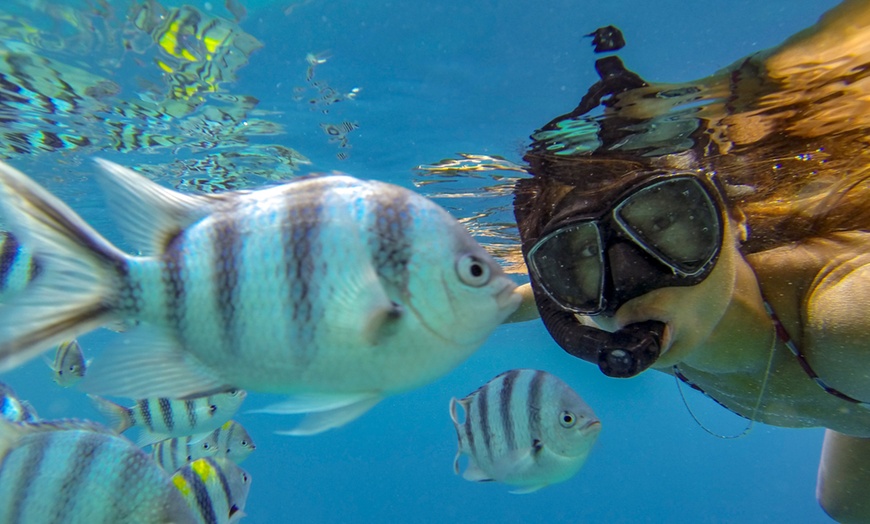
(600, 250)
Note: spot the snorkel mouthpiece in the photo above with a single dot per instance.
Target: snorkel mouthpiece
(621, 354)
(632, 349)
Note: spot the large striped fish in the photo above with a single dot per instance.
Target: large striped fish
(79, 472)
(525, 428)
(338, 290)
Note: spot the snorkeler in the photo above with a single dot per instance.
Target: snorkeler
(719, 231)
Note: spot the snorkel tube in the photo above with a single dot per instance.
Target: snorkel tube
(620, 354)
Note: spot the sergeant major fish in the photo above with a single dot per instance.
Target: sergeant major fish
(163, 418)
(174, 453)
(234, 442)
(230, 441)
(525, 428)
(338, 290)
(80, 472)
(69, 364)
(226, 484)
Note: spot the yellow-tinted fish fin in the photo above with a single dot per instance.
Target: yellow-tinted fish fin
(150, 365)
(324, 411)
(148, 214)
(120, 419)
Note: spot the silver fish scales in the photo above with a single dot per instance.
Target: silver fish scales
(79, 472)
(338, 290)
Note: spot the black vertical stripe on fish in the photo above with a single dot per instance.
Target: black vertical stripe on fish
(33, 269)
(173, 267)
(26, 477)
(504, 404)
(8, 254)
(227, 260)
(225, 485)
(166, 412)
(483, 410)
(391, 247)
(200, 491)
(82, 459)
(190, 408)
(535, 388)
(302, 250)
(145, 412)
(469, 434)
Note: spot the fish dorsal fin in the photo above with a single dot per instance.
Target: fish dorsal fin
(148, 214)
(323, 411)
(150, 365)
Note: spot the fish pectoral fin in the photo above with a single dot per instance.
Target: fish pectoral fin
(515, 462)
(148, 214)
(323, 411)
(360, 307)
(150, 365)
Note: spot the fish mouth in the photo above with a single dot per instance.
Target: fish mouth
(506, 298)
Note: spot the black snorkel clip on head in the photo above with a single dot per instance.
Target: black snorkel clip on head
(620, 354)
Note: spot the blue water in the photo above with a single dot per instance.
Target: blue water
(435, 79)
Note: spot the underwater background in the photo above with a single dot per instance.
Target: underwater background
(251, 93)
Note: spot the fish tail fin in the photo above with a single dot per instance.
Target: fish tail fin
(75, 291)
(9, 434)
(120, 418)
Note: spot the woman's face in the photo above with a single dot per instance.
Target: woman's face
(690, 313)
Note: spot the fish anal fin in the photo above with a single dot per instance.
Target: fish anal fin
(475, 474)
(323, 412)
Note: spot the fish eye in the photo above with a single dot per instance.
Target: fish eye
(472, 271)
(567, 419)
(212, 408)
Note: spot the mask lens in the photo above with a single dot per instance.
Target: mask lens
(569, 264)
(674, 220)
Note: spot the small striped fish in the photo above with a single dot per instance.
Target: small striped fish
(17, 266)
(13, 408)
(164, 418)
(525, 428)
(333, 289)
(234, 442)
(216, 489)
(230, 441)
(78, 472)
(69, 363)
(173, 453)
